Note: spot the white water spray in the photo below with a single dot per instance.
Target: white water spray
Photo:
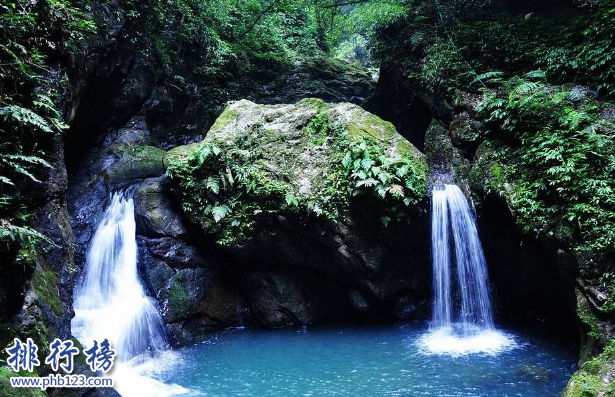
(111, 303)
(454, 238)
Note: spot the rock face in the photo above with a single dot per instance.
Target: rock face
(194, 297)
(331, 80)
(328, 191)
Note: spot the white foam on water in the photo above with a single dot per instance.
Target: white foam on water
(138, 377)
(455, 342)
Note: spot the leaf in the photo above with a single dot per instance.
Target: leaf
(6, 180)
(536, 74)
(219, 212)
(203, 154)
(366, 163)
(23, 115)
(359, 175)
(493, 76)
(402, 171)
(213, 184)
(291, 199)
(28, 159)
(347, 160)
(229, 176)
(369, 182)
(396, 191)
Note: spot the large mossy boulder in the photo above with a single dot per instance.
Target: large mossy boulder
(311, 159)
(328, 187)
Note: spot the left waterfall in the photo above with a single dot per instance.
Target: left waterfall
(110, 301)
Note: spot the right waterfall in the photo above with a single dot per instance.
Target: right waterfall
(462, 318)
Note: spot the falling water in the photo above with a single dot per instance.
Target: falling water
(462, 318)
(450, 204)
(111, 303)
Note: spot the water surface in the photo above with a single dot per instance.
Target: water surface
(366, 362)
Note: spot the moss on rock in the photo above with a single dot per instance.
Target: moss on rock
(308, 160)
(6, 390)
(596, 377)
(45, 282)
(179, 153)
(130, 163)
(179, 299)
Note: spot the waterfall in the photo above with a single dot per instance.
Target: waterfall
(462, 319)
(110, 302)
(453, 222)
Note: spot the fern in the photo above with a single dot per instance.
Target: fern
(23, 115)
(396, 190)
(6, 180)
(21, 234)
(18, 163)
(291, 200)
(488, 77)
(213, 184)
(219, 212)
(369, 182)
(536, 74)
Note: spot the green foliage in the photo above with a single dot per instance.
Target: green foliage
(7, 390)
(11, 233)
(318, 128)
(564, 178)
(354, 49)
(222, 40)
(447, 44)
(225, 190)
(396, 180)
(32, 34)
(232, 185)
(583, 51)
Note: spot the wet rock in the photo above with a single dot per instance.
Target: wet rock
(123, 164)
(297, 298)
(184, 292)
(331, 80)
(439, 150)
(175, 252)
(535, 372)
(155, 271)
(466, 133)
(154, 211)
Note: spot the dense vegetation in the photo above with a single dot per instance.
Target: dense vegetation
(544, 90)
(30, 87)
